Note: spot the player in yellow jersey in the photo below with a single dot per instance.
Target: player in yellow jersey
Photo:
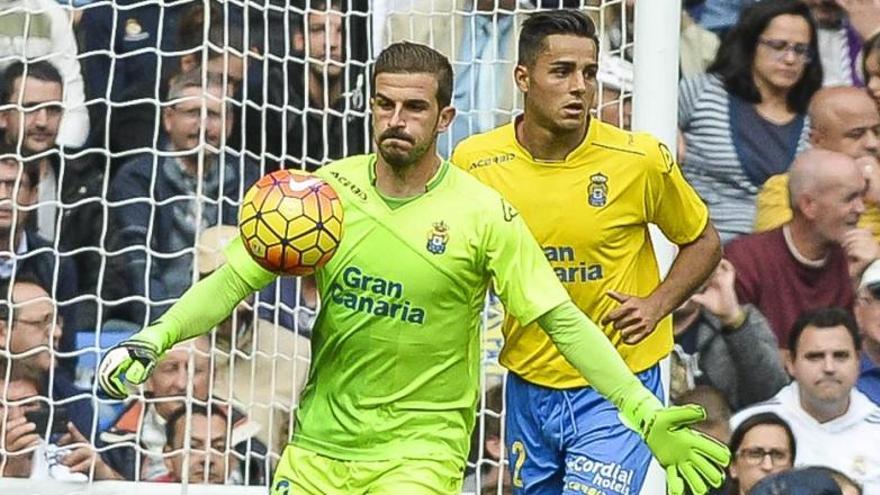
(587, 191)
(394, 377)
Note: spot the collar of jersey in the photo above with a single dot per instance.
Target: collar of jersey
(434, 182)
(573, 156)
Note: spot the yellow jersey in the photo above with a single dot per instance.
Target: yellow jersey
(590, 213)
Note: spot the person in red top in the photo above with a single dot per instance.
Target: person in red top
(802, 265)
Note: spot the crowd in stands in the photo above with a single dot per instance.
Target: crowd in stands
(129, 132)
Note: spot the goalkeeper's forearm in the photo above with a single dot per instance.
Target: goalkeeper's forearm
(585, 346)
(210, 301)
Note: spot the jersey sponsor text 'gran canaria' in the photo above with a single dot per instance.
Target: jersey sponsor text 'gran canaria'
(396, 346)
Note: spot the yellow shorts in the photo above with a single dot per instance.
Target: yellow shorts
(305, 472)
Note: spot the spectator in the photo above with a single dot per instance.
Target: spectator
(725, 345)
(122, 42)
(23, 250)
(844, 120)
(697, 47)
(761, 445)
(616, 79)
(745, 119)
(30, 330)
(803, 481)
(867, 311)
(479, 38)
(871, 67)
(717, 422)
(802, 265)
(31, 127)
(33, 447)
(51, 38)
(486, 447)
(326, 112)
(834, 424)
(134, 125)
(842, 27)
(206, 456)
(144, 422)
(260, 366)
(195, 185)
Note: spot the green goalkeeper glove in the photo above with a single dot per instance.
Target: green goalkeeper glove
(130, 361)
(688, 456)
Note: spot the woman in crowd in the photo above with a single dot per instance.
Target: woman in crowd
(745, 119)
(762, 445)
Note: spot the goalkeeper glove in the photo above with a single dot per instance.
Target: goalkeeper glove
(129, 361)
(688, 456)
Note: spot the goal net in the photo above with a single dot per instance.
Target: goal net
(118, 174)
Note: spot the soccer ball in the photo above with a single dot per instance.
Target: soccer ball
(291, 222)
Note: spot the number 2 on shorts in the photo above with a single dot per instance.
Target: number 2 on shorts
(519, 451)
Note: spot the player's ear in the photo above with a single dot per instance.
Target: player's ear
(521, 77)
(444, 120)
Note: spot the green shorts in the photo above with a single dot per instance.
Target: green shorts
(302, 471)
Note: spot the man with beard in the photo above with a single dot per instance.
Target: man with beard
(394, 380)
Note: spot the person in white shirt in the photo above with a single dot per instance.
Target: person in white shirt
(834, 424)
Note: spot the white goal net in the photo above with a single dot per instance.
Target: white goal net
(130, 130)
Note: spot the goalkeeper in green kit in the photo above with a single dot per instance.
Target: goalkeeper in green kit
(394, 380)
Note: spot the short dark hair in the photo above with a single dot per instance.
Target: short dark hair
(195, 410)
(223, 32)
(413, 58)
(42, 70)
(760, 419)
(824, 318)
(31, 167)
(733, 61)
(546, 23)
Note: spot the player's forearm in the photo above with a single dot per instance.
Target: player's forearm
(210, 301)
(587, 349)
(693, 265)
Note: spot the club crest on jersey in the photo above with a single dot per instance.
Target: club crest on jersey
(282, 488)
(437, 238)
(597, 190)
